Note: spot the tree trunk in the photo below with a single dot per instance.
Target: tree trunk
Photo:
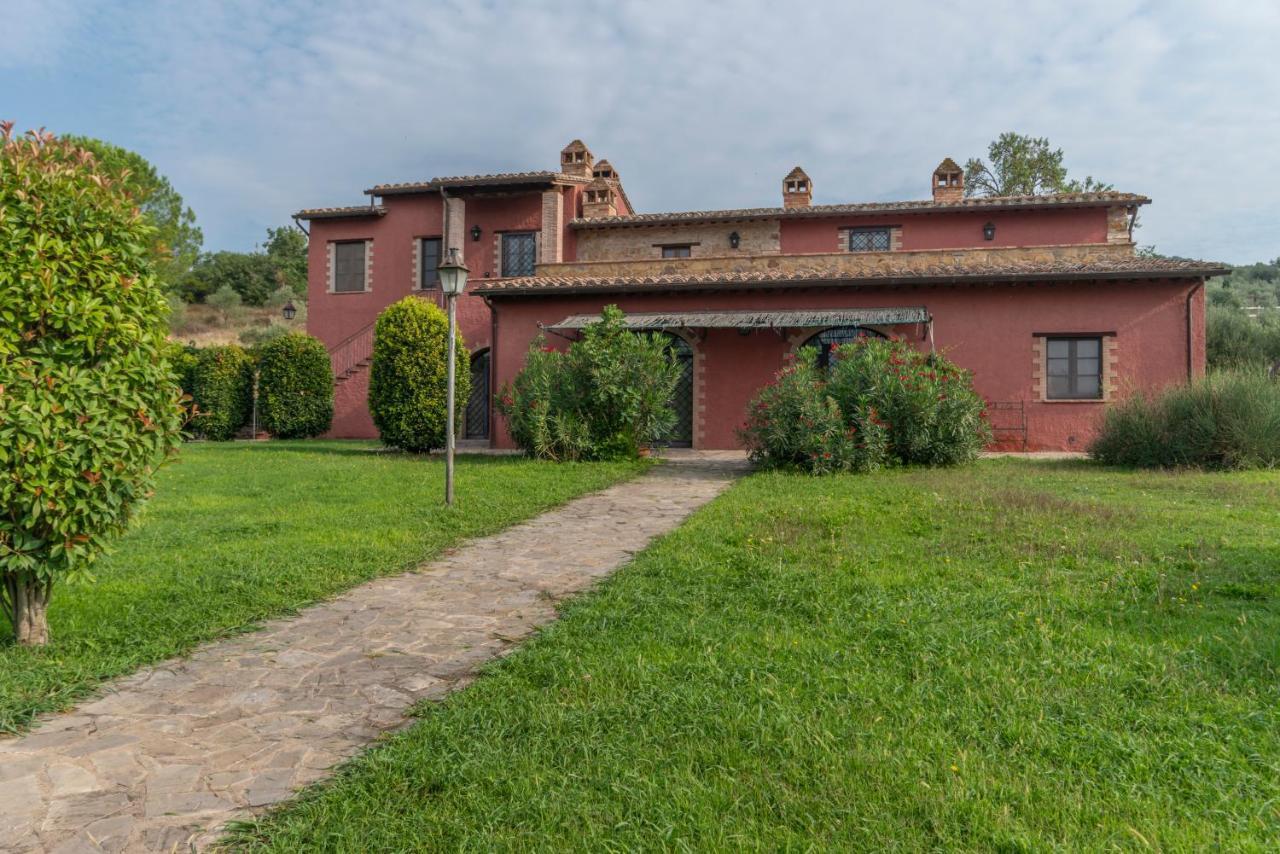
(26, 604)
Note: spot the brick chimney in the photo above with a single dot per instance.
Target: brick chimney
(797, 189)
(576, 159)
(604, 169)
(599, 199)
(948, 182)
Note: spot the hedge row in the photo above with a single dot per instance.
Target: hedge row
(295, 387)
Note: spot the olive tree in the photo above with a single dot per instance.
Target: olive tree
(88, 402)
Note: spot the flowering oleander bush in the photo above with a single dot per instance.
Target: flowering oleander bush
(606, 397)
(881, 402)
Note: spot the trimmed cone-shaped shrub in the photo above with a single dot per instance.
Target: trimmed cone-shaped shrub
(295, 387)
(1226, 420)
(88, 403)
(881, 402)
(222, 389)
(408, 375)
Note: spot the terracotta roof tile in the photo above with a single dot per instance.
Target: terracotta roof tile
(924, 205)
(465, 181)
(339, 213)
(1127, 268)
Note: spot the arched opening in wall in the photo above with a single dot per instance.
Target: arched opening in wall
(828, 338)
(476, 422)
(682, 398)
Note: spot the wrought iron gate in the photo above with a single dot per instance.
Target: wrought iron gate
(477, 418)
(682, 399)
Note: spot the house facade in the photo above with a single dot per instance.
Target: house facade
(1042, 297)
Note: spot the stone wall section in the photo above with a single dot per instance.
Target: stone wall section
(707, 240)
(925, 260)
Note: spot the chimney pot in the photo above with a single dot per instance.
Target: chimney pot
(576, 159)
(797, 189)
(948, 182)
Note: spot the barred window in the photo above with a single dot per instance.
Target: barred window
(348, 267)
(1074, 368)
(429, 261)
(868, 240)
(519, 254)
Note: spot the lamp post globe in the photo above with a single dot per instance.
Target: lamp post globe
(453, 280)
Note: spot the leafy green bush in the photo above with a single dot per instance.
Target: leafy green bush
(182, 359)
(1226, 420)
(606, 397)
(881, 402)
(222, 389)
(88, 403)
(295, 387)
(408, 375)
(794, 422)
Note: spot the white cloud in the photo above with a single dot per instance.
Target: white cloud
(257, 109)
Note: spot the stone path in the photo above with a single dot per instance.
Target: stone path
(168, 755)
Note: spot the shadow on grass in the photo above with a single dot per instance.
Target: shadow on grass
(351, 448)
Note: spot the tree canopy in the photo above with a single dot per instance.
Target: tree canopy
(1019, 165)
(177, 239)
(255, 275)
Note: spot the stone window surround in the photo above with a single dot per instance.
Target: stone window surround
(330, 267)
(1039, 362)
(498, 236)
(416, 283)
(895, 236)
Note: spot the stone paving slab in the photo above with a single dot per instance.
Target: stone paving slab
(167, 755)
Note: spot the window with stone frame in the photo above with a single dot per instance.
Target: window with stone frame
(1073, 368)
(869, 240)
(681, 250)
(519, 253)
(428, 262)
(349, 268)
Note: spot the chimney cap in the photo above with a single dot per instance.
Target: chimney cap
(947, 167)
(576, 145)
(796, 173)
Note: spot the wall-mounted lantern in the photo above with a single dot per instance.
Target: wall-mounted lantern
(989, 231)
(734, 240)
(289, 311)
(475, 232)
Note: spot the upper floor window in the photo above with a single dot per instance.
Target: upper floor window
(519, 253)
(429, 262)
(677, 251)
(868, 240)
(349, 267)
(1074, 368)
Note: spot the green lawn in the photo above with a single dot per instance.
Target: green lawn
(1017, 656)
(241, 532)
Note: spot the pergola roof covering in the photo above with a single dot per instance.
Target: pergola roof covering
(755, 319)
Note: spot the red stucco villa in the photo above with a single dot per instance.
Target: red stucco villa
(1042, 297)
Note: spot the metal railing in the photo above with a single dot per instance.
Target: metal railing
(348, 354)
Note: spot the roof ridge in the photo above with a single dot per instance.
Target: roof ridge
(968, 203)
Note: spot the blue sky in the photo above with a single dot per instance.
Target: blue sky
(254, 110)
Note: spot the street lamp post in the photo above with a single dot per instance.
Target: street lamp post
(453, 279)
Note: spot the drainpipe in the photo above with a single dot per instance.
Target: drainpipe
(444, 237)
(1191, 362)
(300, 227)
(1133, 218)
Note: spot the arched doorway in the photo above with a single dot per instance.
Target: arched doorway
(681, 435)
(476, 421)
(828, 338)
